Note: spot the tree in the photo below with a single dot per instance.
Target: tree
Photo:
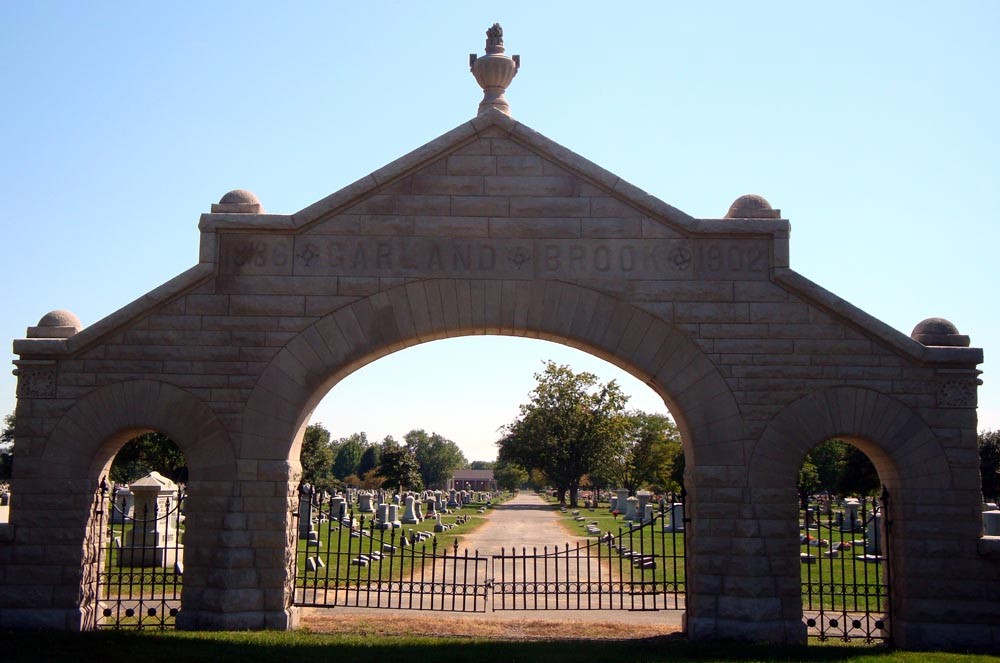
(989, 463)
(642, 454)
(482, 465)
(859, 476)
(7, 447)
(147, 453)
(317, 458)
(437, 456)
(567, 427)
(348, 457)
(399, 466)
(828, 458)
(509, 476)
(369, 460)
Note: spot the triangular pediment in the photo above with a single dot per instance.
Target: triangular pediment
(494, 172)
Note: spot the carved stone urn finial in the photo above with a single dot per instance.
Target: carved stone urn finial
(494, 71)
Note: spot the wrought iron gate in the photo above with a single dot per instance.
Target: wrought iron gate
(343, 560)
(639, 568)
(845, 571)
(139, 559)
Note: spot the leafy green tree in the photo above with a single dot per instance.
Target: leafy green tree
(482, 465)
(317, 457)
(147, 453)
(370, 460)
(989, 463)
(509, 476)
(399, 467)
(808, 481)
(7, 447)
(859, 476)
(828, 458)
(438, 457)
(348, 456)
(644, 452)
(567, 427)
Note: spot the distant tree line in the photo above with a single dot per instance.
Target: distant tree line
(421, 460)
(573, 432)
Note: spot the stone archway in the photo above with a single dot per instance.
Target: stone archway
(78, 453)
(912, 464)
(310, 364)
(493, 228)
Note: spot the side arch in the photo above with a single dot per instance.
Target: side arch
(80, 449)
(899, 442)
(910, 460)
(87, 437)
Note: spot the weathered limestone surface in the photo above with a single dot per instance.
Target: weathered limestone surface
(494, 229)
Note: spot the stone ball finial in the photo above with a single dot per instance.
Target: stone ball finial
(494, 71)
(940, 332)
(56, 324)
(752, 206)
(238, 201)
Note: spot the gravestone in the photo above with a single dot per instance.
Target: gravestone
(991, 523)
(622, 501)
(630, 512)
(644, 496)
(152, 541)
(873, 535)
(305, 510)
(410, 516)
(851, 508)
(676, 523)
(382, 516)
(365, 503)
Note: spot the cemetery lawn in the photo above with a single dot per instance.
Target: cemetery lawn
(339, 548)
(271, 646)
(668, 546)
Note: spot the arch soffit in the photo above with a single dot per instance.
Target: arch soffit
(899, 442)
(658, 353)
(103, 419)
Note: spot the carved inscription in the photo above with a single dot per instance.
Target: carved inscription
(661, 259)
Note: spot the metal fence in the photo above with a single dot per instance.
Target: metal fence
(639, 568)
(344, 560)
(845, 571)
(139, 560)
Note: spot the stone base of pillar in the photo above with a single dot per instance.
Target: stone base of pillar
(48, 619)
(952, 637)
(781, 632)
(258, 620)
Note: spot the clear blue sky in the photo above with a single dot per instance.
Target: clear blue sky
(873, 126)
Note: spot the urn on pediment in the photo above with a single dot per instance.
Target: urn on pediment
(494, 71)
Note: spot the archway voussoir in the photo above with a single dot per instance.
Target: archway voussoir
(449, 307)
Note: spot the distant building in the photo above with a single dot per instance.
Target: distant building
(473, 480)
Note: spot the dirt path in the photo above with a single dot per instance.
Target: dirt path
(527, 521)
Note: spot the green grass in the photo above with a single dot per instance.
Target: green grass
(668, 547)
(339, 549)
(271, 646)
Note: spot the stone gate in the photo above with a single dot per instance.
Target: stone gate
(494, 229)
